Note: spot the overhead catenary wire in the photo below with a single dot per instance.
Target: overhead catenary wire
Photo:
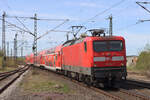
(25, 29)
(126, 27)
(140, 21)
(131, 25)
(98, 14)
(46, 19)
(19, 22)
(139, 3)
(53, 29)
(143, 6)
(17, 18)
(122, 10)
(61, 31)
(23, 25)
(65, 20)
(20, 44)
(18, 27)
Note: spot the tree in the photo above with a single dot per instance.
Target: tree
(1, 53)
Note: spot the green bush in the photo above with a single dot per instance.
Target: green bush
(143, 62)
(0, 61)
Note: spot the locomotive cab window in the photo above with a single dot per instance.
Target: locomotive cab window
(115, 45)
(100, 46)
(111, 45)
(85, 46)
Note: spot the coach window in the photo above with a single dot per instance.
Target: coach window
(85, 46)
(54, 60)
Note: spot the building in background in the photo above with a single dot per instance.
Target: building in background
(131, 60)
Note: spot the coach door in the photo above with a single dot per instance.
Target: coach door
(54, 60)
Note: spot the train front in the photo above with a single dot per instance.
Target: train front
(109, 58)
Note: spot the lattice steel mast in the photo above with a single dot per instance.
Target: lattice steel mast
(3, 40)
(35, 39)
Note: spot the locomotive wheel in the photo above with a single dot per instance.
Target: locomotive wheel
(88, 81)
(109, 83)
(65, 73)
(83, 78)
(69, 74)
(80, 78)
(77, 77)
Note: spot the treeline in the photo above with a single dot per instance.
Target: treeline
(11, 61)
(143, 62)
(1, 53)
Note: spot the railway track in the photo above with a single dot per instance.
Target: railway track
(94, 89)
(89, 87)
(128, 95)
(139, 88)
(139, 83)
(141, 97)
(111, 94)
(135, 89)
(8, 78)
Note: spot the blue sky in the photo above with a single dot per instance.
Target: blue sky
(125, 16)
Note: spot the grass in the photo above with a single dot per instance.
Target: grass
(10, 64)
(7, 69)
(38, 82)
(0, 61)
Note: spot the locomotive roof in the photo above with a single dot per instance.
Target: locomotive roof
(91, 38)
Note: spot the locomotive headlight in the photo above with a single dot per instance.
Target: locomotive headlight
(122, 64)
(99, 59)
(117, 58)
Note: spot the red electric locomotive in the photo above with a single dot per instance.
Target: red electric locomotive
(95, 59)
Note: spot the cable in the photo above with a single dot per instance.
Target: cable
(52, 29)
(115, 5)
(46, 19)
(143, 6)
(23, 25)
(131, 25)
(18, 27)
(16, 17)
(118, 13)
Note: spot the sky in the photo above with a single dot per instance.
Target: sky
(89, 13)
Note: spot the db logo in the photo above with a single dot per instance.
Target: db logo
(108, 58)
